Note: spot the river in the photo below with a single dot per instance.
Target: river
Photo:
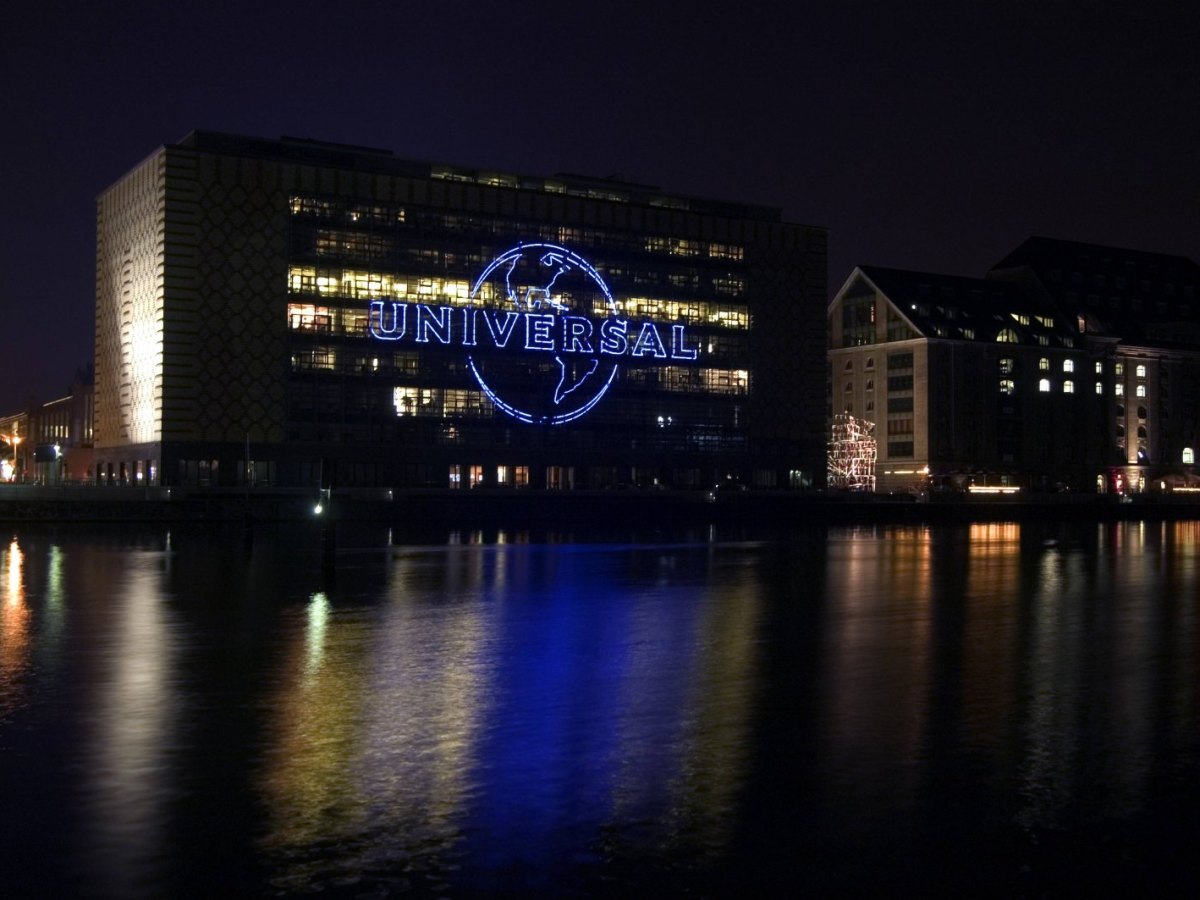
(992, 709)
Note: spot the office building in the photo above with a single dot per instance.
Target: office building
(297, 313)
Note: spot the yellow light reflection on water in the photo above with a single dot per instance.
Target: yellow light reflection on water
(14, 626)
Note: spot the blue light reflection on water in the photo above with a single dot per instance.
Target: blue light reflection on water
(1001, 707)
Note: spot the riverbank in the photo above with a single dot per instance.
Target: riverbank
(25, 503)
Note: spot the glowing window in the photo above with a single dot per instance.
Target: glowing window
(1044, 364)
(1119, 368)
(1099, 388)
(1006, 336)
(1006, 366)
(1044, 385)
(1099, 368)
(1068, 386)
(1140, 371)
(1141, 390)
(1188, 456)
(1007, 386)
(1068, 365)
(1119, 389)
(849, 386)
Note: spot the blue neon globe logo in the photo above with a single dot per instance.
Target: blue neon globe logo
(557, 286)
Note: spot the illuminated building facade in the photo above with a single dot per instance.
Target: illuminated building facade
(292, 313)
(1137, 316)
(1071, 366)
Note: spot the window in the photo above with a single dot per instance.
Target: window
(1142, 413)
(900, 383)
(849, 365)
(1006, 366)
(1044, 364)
(1119, 390)
(1006, 336)
(900, 449)
(1099, 387)
(1020, 318)
(1007, 386)
(900, 361)
(848, 387)
(870, 384)
(1044, 385)
(1141, 390)
(1140, 371)
(900, 404)
(1141, 432)
(870, 362)
(1068, 365)
(1099, 368)
(1068, 386)
(1188, 456)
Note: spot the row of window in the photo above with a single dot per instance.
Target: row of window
(360, 214)
(373, 285)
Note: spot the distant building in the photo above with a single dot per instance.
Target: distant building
(292, 312)
(1071, 366)
(61, 435)
(51, 443)
(14, 449)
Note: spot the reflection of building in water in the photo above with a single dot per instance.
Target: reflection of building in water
(136, 715)
(878, 653)
(372, 740)
(14, 625)
(502, 698)
(701, 744)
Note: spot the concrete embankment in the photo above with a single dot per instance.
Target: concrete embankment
(26, 503)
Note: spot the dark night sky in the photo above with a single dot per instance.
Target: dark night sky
(932, 136)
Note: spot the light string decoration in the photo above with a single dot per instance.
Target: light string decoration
(852, 454)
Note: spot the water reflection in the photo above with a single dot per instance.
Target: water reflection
(860, 712)
(135, 719)
(556, 694)
(14, 627)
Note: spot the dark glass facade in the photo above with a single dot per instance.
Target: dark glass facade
(352, 318)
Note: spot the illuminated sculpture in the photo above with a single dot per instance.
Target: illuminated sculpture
(852, 454)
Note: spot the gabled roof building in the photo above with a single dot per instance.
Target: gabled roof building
(1069, 367)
